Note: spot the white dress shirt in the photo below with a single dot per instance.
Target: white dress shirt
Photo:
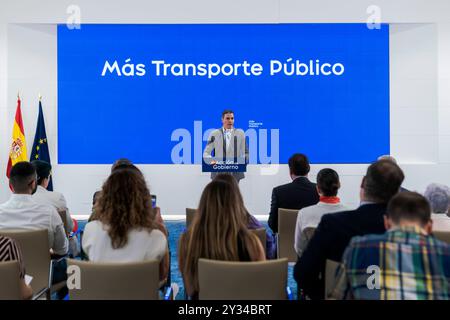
(22, 212)
(141, 246)
(310, 217)
(56, 199)
(227, 133)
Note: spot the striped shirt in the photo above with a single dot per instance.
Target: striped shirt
(10, 251)
(402, 264)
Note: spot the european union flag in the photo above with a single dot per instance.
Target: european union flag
(40, 145)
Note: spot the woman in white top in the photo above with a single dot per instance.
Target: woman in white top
(126, 227)
(327, 186)
(438, 195)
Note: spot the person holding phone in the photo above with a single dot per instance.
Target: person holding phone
(127, 228)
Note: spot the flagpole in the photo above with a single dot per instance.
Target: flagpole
(40, 97)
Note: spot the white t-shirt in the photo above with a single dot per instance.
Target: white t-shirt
(141, 246)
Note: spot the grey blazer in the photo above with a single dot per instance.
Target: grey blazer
(237, 148)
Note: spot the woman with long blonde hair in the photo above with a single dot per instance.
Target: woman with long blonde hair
(217, 232)
(126, 228)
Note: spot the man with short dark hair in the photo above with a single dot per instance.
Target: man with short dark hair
(298, 194)
(226, 143)
(43, 196)
(381, 182)
(22, 212)
(408, 262)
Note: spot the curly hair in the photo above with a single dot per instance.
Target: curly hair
(125, 204)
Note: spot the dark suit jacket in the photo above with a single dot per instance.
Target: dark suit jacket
(298, 194)
(332, 236)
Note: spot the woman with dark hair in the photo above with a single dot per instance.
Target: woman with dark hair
(327, 186)
(217, 232)
(126, 227)
(252, 222)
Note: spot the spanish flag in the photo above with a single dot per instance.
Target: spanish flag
(18, 151)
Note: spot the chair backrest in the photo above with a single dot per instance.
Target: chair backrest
(331, 268)
(190, 216)
(63, 215)
(262, 280)
(442, 235)
(261, 234)
(9, 280)
(113, 281)
(36, 254)
(287, 220)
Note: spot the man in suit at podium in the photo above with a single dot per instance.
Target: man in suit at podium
(226, 143)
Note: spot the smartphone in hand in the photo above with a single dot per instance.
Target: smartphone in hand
(153, 201)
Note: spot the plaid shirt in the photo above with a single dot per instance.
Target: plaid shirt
(412, 266)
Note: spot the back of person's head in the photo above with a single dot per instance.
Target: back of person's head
(121, 164)
(217, 231)
(409, 207)
(220, 215)
(22, 178)
(438, 195)
(124, 204)
(226, 177)
(43, 170)
(328, 182)
(299, 165)
(382, 181)
(388, 157)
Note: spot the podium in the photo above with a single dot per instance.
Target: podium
(224, 165)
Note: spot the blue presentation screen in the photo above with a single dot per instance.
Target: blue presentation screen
(152, 93)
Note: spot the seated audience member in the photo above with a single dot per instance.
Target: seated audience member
(21, 211)
(438, 195)
(327, 187)
(252, 222)
(124, 163)
(424, 273)
(381, 182)
(297, 194)
(125, 228)
(42, 195)
(392, 159)
(217, 232)
(9, 251)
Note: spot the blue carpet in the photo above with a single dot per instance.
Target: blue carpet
(176, 228)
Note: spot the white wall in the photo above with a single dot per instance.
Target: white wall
(420, 83)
